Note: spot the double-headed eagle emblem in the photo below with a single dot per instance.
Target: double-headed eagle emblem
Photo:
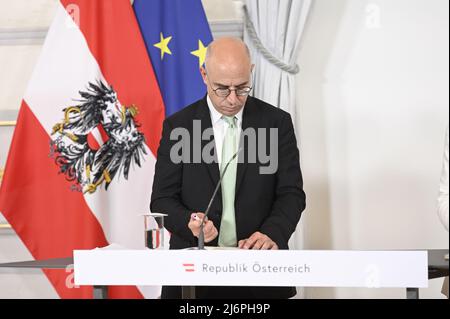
(97, 140)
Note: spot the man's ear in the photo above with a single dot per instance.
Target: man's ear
(203, 74)
(252, 67)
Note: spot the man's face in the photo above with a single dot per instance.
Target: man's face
(227, 77)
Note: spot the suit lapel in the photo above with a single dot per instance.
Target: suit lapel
(205, 117)
(250, 120)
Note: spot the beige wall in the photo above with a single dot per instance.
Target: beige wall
(373, 96)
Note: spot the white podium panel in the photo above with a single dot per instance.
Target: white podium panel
(307, 268)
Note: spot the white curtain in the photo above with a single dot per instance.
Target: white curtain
(278, 25)
(273, 31)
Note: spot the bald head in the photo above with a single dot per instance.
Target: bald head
(229, 51)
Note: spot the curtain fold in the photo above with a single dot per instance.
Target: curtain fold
(279, 26)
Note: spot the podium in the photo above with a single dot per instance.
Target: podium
(190, 268)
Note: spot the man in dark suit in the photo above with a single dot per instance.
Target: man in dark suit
(255, 208)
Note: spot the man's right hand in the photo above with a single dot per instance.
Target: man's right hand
(209, 229)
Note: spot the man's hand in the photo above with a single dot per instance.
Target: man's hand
(209, 229)
(257, 241)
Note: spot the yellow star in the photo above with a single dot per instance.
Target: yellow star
(200, 53)
(163, 45)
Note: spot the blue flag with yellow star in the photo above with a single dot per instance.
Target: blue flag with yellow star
(176, 34)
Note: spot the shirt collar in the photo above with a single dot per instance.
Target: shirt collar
(217, 116)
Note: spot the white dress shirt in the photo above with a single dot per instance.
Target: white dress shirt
(220, 127)
(443, 189)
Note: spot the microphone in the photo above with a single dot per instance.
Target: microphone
(201, 235)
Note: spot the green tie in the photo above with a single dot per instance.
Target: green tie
(227, 236)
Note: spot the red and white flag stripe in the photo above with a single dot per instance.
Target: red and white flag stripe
(97, 137)
(50, 218)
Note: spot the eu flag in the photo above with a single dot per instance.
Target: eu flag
(176, 34)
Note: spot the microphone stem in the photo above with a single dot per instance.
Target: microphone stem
(201, 236)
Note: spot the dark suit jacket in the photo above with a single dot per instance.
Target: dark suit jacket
(269, 203)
